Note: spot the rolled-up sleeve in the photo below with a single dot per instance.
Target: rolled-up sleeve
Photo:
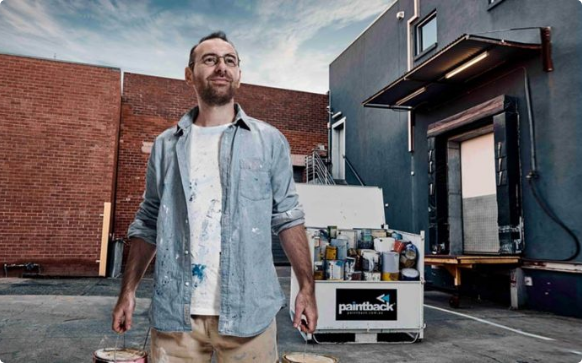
(287, 212)
(144, 225)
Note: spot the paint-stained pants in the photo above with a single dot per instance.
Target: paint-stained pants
(204, 340)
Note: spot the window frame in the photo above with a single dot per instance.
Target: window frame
(418, 35)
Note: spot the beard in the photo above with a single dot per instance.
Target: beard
(213, 96)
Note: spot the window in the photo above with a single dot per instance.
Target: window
(426, 34)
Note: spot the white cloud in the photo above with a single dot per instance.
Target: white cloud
(139, 37)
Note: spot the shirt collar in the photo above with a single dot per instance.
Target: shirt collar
(241, 119)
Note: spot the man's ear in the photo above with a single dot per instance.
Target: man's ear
(239, 78)
(188, 75)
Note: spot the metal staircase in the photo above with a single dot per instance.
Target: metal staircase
(316, 171)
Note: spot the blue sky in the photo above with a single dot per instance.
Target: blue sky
(282, 43)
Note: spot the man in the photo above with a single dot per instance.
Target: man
(215, 186)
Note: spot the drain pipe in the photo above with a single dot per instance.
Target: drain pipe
(409, 62)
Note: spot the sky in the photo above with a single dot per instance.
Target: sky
(282, 43)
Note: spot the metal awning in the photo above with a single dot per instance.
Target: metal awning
(449, 71)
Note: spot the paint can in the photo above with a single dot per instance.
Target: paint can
(334, 270)
(350, 235)
(300, 357)
(399, 246)
(369, 260)
(332, 231)
(127, 355)
(349, 268)
(318, 270)
(408, 256)
(410, 274)
(390, 270)
(379, 233)
(330, 253)
(356, 276)
(342, 247)
(365, 241)
(372, 276)
(384, 244)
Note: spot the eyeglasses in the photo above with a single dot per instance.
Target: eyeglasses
(211, 60)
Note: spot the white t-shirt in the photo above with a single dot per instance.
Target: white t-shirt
(204, 213)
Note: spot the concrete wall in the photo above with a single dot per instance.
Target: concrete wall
(556, 101)
(58, 129)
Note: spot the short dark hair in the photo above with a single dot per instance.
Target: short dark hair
(215, 35)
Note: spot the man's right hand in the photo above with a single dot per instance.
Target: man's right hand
(123, 313)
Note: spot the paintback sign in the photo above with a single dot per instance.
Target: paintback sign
(366, 304)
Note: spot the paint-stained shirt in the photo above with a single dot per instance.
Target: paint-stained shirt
(258, 195)
(204, 212)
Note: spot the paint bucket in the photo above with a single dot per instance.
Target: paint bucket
(349, 268)
(330, 253)
(369, 260)
(342, 247)
(334, 270)
(408, 256)
(399, 246)
(390, 269)
(410, 274)
(127, 355)
(384, 244)
(365, 241)
(356, 276)
(379, 233)
(372, 276)
(299, 357)
(332, 231)
(350, 236)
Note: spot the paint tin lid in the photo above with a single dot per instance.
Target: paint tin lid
(120, 355)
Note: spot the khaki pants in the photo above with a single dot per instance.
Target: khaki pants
(204, 340)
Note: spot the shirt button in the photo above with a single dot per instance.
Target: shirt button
(186, 252)
(187, 284)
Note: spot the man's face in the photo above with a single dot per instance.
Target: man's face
(215, 85)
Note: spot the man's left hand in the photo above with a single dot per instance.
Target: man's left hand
(305, 305)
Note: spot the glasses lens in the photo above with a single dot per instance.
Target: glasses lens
(210, 59)
(230, 60)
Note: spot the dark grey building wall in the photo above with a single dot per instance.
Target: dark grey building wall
(376, 140)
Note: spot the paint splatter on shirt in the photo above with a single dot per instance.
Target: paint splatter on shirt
(204, 213)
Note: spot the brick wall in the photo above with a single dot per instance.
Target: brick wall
(152, 104)
(58, 129)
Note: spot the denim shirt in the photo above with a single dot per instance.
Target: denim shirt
(258, 196)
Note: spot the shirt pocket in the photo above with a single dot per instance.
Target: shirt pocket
(255, 181)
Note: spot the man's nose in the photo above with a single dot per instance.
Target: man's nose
(220, 66)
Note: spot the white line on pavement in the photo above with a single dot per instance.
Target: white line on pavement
(490, 323)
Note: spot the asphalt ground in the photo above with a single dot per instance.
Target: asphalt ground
(67, 319)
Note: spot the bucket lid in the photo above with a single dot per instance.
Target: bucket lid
(120, 355)
(307, 358)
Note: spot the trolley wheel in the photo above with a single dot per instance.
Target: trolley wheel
(455, 302)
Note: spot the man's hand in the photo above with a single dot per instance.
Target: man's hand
(305, 304)
(123, 313)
